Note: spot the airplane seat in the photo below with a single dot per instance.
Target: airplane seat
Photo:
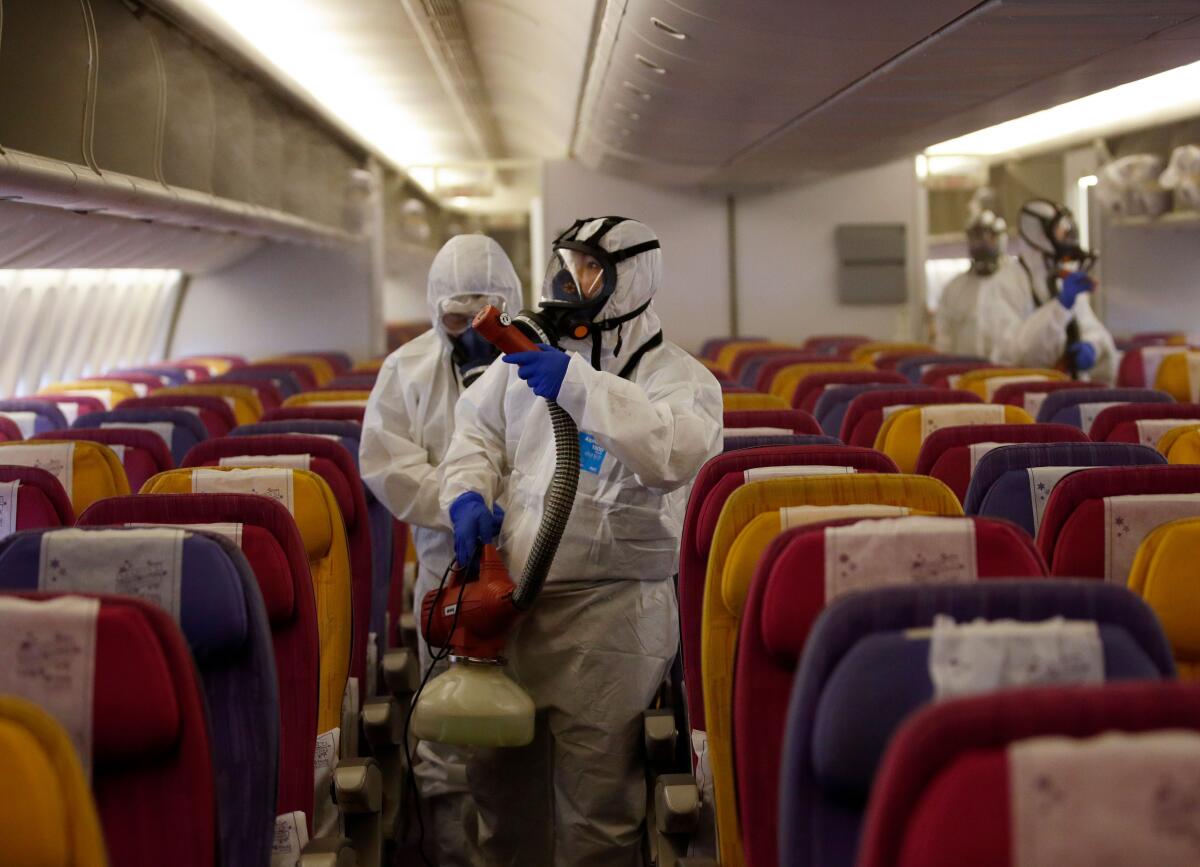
(759, 370)
(1139, 365)
(947, 375)
(1079, 407)
(322, 371)
(871, 351)
(316, 413)
(299, 372)
(283, 381)
(1144, 423)
(785, 381)
(32, 499)
(47, 814)
(9, 431)
(242, 399)
(1184, 447)
(752, 515)
(88, 471)
(269, 538)
(320, 398)
(339, 361)
(867, 412)
(700, 521)
(34, 415)
(1179, 376)
(834, 344)
(109, 392)
(800, 574)
(204, 583)
(911, 367)
(1015, 481)
(142, 453)
(903, 433)
(830, 407)
(945, 792)
(1166, 576)
(314, 508)
(144, 733)
(270, 395)
(1096, 518)
(813, 387)
(985, 381)
(874, 659)
(951, 454)
(353, 382)
(735, 401)
(783, 422)
(215, 414)
(1031, 394)
(179, 429)
(142, 382)
(334, 464)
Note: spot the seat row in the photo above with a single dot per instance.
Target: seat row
(214, 645)
(864, 623)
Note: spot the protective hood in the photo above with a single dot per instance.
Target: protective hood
(637, 280)
(470, 265)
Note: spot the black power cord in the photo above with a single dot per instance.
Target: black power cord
(436, 656)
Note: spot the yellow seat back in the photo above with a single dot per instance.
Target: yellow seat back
(868, 352)
(323, 531)
(110, 392)
(242, 399)
(730, 352)
(322, 370)
(94, 472)
(47, 815)
(372, 365)
(783, 384)
(1166, 574)
(345, 397)
(753, 509)
(1186, 447)
(901, 435)
(1167, 441)
(983, 381)
(1179, 376)
(216, 366)
(735, 400)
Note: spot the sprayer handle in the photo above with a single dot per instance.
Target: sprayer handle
(493, 326)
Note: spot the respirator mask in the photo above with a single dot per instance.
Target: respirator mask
(471, 354)
(1052, 231)
(580, 278)
(984, 242)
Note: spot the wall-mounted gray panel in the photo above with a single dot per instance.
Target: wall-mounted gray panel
(872, 266)
(129, 93)
(44, 95)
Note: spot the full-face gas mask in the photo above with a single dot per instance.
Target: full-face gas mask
(985, 240)
(1051, 229)
(580, 278)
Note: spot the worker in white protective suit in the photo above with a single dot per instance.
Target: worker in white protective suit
(1035, 314)
(406, 431)
(600, 637)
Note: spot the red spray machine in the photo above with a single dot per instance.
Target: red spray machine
(475, 703)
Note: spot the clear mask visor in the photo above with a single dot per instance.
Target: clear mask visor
(574, 277)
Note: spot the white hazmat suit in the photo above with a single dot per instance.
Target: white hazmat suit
(406, 431)
(996, 316)
(599, 639)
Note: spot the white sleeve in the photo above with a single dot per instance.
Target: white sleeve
(1017, 335)
(393, 466)
(946, 319)
(663, 430)
(476, 458)
(1093, 331)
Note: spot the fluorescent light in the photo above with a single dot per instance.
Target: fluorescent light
(301, 40)
(1167, 96)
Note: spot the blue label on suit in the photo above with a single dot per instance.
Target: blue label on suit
(591, 454)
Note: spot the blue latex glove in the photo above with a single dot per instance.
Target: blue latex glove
(544, 370)
(1084, 355)
(473, 524)
(1074, 285)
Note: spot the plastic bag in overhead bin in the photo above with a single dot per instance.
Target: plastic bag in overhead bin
(1183, 176)
(1129, 187)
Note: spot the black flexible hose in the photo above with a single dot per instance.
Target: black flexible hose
(560, 498)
